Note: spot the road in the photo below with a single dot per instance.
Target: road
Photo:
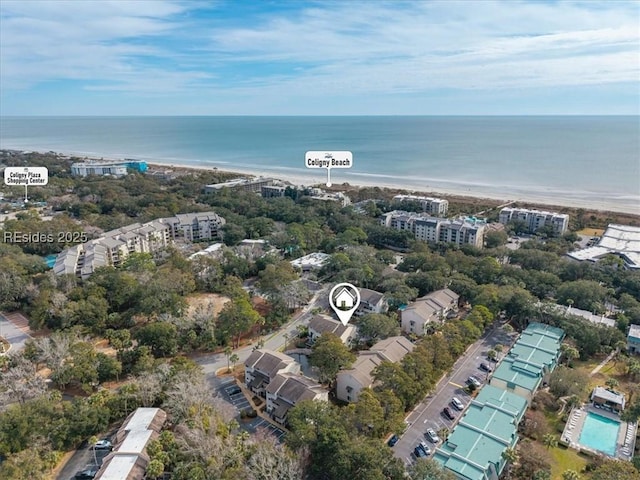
(428, 414)
(14, 335)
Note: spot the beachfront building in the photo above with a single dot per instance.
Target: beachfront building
(371, 302)
(321, 195)
(286, 390)
(98, 168)
(438, 207)
(114, 247)
(460, 231)
(240, 185)
(320, 324)
(129, 458)
(273, 191)
(608, 399)
(263, 365)
(434, 307)
(633, 339)
(313, 261)
(620, 240)
(531, 359)
(535, 219)
(474, 449)
(349, 383)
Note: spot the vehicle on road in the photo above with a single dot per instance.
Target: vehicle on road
(446, 411)
(432, 435)
(103, 445)
(393, 440)
(474, 381)
(87, 474)
(486, 368)
(234, 390)
(457, 404)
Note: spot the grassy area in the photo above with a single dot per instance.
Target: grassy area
(563, 458)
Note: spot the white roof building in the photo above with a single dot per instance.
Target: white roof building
(620, 240)
(313, 261)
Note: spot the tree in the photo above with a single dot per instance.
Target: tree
(238, 317)
(569, 353)
(227, 352)
(92, 441)
(567, 381)
(329, 355)
(155, 468)
(429, 469)
(570, 475)
(550, 441)
(542, 475)
(510, 455)
(161, 337)
(587, 294)
(495, 238)
(234, 359)
(615, 470)
(612, 383)
(375, 326)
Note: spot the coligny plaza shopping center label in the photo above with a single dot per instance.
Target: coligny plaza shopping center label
(328, 160)
(15, 176)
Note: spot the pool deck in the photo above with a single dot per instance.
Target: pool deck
(573, 428)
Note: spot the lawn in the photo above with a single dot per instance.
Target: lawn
(566, 459)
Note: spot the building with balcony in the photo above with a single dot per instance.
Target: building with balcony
(535, 219)
(263, 365)
(286, 390)
(435, 307)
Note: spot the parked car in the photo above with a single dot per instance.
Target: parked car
(234, 390)
(485, 367)
(474, 381)
(425, 447)
(432, 435)
(419, 452)
(103, 445)
(457, 404)
(448, 413)
(393, 440)
(87, 474)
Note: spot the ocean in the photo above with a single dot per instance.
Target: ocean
(590, 161)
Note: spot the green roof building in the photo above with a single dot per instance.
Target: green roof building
(474, 449)
(533, 356)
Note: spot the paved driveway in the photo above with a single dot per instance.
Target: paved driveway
(15, 336)
(428, 414)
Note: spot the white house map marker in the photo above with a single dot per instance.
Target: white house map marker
(344, 299)
(328, 160)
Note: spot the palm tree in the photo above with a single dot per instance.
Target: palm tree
(612, 383)
(550, 441)
(228, 351)
(570, 475)
(542, 475)
(92, 441)
(443, 433)
(510, 455)
(234, 359)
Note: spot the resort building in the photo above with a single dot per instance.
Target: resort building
(339, 197)
(114, 247)
(535, 219)
(263, 365)
(287, 389)
(371, 302)
(437, 207)
(116, 169)
(620, 240)
(633, 339)
(460, 231)
(240, 185)
(532, 358)
(434, 307)
(611, 400)
(273, 191)
(313, 261)
(474, 449)
(129, 458)
(320, 324)
(349, 383)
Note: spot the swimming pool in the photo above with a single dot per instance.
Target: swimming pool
(600, 433)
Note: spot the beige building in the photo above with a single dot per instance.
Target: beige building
(433, 206)
(287, 389)
(535, 219)
(263, 365)
(371, 302)
(434, 307)
(349, 383)
(320, 324)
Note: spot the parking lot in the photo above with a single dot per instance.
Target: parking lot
(226, 388)
(429, 413)
(82, 459)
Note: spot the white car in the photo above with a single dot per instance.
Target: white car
(103, 445)
(432, 435)
(458, 405)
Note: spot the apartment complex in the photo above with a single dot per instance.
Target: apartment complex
(273, 191)
(371, 302)
(240, 185)
(320, 324)
(286, 390)
(129, 459)
(114, 247)
(349, 383)
(434, 307)
(620, 240)
(437, 207)
(474, 449)
(536, 219)
(116, 169)
(263, 365)
(460, 231)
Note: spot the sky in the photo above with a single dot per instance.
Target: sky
(350, 57)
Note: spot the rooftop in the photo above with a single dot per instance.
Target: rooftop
(622, 240)
(608, 395)
(634, 331)
(268, 362)
(323, 324)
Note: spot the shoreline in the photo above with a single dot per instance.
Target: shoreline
(342, 179)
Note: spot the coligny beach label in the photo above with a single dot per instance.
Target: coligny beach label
(328, 160)
(34, 176)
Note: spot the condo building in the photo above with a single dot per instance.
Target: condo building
(536, 219)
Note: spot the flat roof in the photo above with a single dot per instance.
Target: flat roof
(608, 395)
(623, 240)
(141, 419)
(119, 467)
(135, 441)
(634, 332)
